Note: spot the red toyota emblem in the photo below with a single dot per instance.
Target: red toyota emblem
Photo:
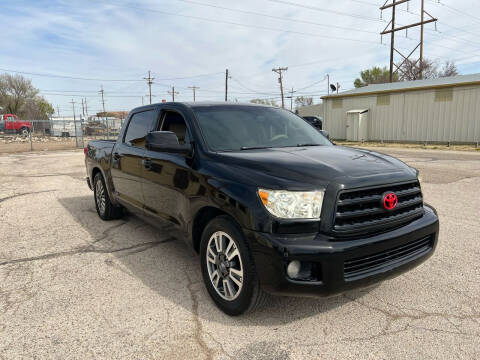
(390, 201)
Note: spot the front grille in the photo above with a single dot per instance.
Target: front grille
(357, 268)
(361, 211)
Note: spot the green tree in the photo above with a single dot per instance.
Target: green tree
(375, 75)
(18, 96)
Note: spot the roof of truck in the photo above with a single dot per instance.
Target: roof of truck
(198, 104)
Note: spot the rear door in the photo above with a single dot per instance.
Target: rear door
(128, 158)
(168, 181)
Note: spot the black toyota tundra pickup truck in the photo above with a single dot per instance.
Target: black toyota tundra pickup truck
(269, 203)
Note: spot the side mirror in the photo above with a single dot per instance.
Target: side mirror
(325, 133)
(166, 141)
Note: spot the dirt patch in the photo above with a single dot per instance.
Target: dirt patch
(16, 147)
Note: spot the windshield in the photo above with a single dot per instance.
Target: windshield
(230, 128)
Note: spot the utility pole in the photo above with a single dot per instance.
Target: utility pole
(102, 92)
(193, 88)
(226, 84)
(86, 107)
(328, 84)
(74, 122)
(104, 113)
(291, 99)
(421, 38)
(58, 111)
(149, 82)
(280, 80)
(173, 92)
(83, 108)
(394, 29)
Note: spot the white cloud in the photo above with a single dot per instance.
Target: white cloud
(123, 39)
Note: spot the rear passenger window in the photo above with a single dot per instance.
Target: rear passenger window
(138, 128)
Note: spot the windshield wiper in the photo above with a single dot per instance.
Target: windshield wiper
(254, 147)
(309, 144)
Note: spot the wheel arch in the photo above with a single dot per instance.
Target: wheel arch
(202, 217)
(24, 127)
(97, 169)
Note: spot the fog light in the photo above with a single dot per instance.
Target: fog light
(293, 269)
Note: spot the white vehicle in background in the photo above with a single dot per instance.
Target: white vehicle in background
(66, 127)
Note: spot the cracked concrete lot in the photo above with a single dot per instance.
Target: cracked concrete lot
(74, 286)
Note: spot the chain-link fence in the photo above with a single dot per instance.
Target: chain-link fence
(56, 133)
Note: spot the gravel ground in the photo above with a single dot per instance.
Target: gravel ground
(73, 286)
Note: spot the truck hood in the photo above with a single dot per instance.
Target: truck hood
(316, 165)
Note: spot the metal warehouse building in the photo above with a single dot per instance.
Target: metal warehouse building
(437, 110)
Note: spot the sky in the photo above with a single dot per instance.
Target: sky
(70, 49)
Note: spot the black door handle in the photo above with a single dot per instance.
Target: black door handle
(116, 156)
(147, 164)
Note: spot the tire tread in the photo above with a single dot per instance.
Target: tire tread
(112, 212)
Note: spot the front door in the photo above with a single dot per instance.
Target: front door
(350, 125)
(128, 158)
(168, 181)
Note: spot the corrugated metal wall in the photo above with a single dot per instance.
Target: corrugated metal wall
(423, 115)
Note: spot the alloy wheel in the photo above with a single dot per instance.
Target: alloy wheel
(100, 196)
(224, 265)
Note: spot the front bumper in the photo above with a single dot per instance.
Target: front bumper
(273, 252)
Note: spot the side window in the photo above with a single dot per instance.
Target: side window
(138, 128)
(174, 122)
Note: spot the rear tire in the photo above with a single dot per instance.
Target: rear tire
(105, 209)
(24, 132)
(228, 269)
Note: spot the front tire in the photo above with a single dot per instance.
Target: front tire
(105, 209)
(227, 267)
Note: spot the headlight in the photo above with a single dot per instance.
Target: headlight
(293, 204)
(419, 178)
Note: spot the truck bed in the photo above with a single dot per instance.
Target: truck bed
(99, 153)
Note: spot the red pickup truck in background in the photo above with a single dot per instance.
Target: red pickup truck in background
(10, 124)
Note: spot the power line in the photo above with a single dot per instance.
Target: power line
(357, 16)
(252, 91)
(90, 96)
(313, 84)
(274, 17)
(98, 79)
(190, 77)
(64, 76)
(245, 25)
(477, 19)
